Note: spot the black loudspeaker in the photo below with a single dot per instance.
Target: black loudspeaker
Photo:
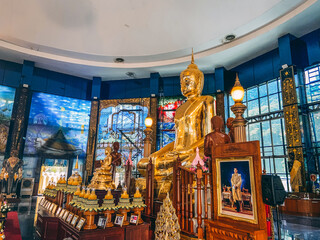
(273, 192)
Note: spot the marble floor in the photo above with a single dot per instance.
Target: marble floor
(292, 228)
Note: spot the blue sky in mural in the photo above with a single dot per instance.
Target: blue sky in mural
(49, 113)
(6, 104)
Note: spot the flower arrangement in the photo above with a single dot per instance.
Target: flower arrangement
(4, 208)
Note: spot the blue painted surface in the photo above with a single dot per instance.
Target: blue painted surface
(302, 52)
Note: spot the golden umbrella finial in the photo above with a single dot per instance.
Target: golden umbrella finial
(76, 167)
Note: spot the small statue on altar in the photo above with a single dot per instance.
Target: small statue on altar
(102, 177)
(128, 172)
(11, 173)
(231, 128)
(216, 137)
(116, 159)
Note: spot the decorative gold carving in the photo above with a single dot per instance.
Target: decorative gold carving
(292, 126)
(92, 137)
(167, 225)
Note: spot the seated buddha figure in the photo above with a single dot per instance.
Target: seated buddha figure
(192, 123)
(102, 177)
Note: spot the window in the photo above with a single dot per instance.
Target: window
(266, 124)
(167, 107)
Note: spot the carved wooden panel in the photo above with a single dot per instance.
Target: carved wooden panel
(291, 118)
(92, 136)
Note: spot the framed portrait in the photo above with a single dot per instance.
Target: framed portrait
(42, 200)
(80, 223)
(62, 213)
(119, 220)
(74, 220)
(58, 211)
(54, 209)
(69, 218)
(134, 219)
(48, 205)
(51, 207)
(236, 180)
(65, 215)
(101, 222)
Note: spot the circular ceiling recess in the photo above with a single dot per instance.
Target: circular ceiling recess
(147, 34)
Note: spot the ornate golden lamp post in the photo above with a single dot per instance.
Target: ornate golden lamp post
(239, 123)
(147, 141)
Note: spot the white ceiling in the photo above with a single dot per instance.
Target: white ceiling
(83, 37)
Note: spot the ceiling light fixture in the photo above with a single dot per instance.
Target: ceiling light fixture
(229, 37)
(118, 60)
(130, 74)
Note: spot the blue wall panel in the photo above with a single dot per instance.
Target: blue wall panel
(2, 68)
(313, 46)
(12, 74)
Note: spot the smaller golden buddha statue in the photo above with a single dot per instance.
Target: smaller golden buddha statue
(124, 194)
(92, 195)
(109, 194)
(137, 193)
(102, 177)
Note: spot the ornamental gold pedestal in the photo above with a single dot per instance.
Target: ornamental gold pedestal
(124, 213)
(108, 215)
(90, 220)
(137, 211)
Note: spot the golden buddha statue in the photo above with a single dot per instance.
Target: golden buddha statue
(102, 177)
(192, 124)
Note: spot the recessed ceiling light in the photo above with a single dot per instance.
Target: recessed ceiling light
(229, 37)
(130, 74)
(118, 60)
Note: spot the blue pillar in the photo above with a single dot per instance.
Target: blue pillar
(27, 72)
(154, 83)
(284, 43)
(96, 88)
(219, 77)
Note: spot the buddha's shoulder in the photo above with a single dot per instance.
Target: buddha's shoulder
(206, 98)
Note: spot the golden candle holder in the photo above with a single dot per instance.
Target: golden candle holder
(108, 215)
(90, 220)
(137, 211)
(124, 213)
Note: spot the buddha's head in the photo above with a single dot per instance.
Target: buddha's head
(107, 151)
(191, 81)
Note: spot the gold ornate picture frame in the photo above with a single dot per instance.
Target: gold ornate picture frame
(236, 177)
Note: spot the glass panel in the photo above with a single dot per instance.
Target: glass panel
(254, 131)
(272, 87)
(316, 125)
(253, 108)
(264, 106)
(276, 132)
(266, 134)
(278, 151)
(263, 90)
(280, 165)
(252, 93)
(166, 112)
(274, 102)
(267, 151)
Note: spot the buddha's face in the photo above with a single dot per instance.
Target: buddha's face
(189, 85)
